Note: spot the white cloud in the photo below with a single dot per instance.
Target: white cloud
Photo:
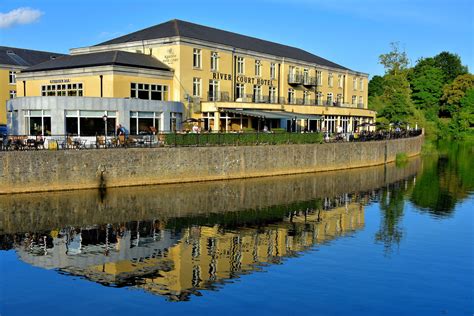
(19, 16)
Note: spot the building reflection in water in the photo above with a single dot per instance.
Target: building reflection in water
(177, 258)
(179, 240)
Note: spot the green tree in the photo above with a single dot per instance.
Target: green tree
(395, 61)
(450, 64)
(427, 88)
(454, 92)
(376, 85)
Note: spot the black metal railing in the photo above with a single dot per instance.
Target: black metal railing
(216, 96)
(309, 81)
(176, 139)
(295, 78)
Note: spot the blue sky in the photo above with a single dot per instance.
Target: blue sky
(352, 33)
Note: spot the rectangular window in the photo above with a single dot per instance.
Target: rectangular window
(146, 91)
(330, 123)
(240, 65)
(196, 87)
(196, 58)
(339, 81)
(305, 75)
(306, 97)
(354, 100)
(272, 71)
(257, 93)
(213, 90)
(12, 77)
(38, 122)
(61, 90)
(361, 84)
(291, 96)
(361, 101)
(240, 92)
(330, 80)
(319, 98)
(354, 83)
(329, 99)
(319, 78)
(144, 123)
(214, 61)
(258, 68)
(12, 94)
(339, 99)
(175, 121)
(273, 95)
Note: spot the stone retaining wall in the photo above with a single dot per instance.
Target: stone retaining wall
(35, 171)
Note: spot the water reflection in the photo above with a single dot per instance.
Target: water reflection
(179, 240)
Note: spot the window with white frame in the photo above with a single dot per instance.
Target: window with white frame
(344, 122)
(214, 61)
(258, 68)
(305, 75)
(354, 83)
(142, 123)
(197, 87)
(175, 121)
(240, 65)
(339, 99)
(306, 97)
(147, 91)
(329, 99)
(257, 93)
(196, 58)
(340, 81)
(69, 89)
(319, 77)
(330, 79)
(38, 122)
(272, 71)
(319, 98)
(213, 90)
(354, 100)
(361, 84)
(272, 94)
(240, 91)
(330, 123)
(12, 94)
(361, 101)
(90, 122)
(11, 77)
(291, 96)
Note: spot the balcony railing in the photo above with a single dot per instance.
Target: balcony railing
(218, 96)
(309, 81)
(295, 78)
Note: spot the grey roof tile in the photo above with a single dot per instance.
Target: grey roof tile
(100, 59)
(205, 33)
(24, 57)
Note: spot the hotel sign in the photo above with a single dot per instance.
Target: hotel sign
(242, 79)
(60, 81)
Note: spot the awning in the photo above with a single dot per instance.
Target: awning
(273, 114)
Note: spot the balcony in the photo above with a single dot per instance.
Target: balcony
(295, 79)
(215, 96)
(309, 81)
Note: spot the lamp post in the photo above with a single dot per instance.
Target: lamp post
(105, 123)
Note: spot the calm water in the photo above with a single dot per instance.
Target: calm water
(389, 240)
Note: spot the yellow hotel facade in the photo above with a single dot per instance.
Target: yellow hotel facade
(180, 70)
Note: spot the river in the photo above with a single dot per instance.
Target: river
(387, 240)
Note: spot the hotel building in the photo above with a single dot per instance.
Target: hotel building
(159, 76)
(13, 60)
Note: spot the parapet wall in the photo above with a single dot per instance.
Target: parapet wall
(35, 171)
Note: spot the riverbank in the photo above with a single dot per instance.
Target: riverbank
(38, 171)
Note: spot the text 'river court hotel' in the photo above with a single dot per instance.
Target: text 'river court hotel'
(159, 76)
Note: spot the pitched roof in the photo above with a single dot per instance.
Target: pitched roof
(101, 59)
(24, 57)
(209, 34)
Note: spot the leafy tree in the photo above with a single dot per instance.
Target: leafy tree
(427, 88)
(450, 64)
(454, 92)
(395, 61)
(376, 86)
